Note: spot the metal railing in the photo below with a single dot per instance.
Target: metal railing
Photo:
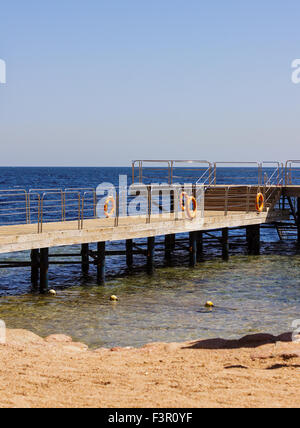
(145, 203)
(273, 181)
(172, 171)
(41, 207)
(233, 199)
(231, 173)
(16, 201)
(292, 172)
(208, 181)
(208, 173)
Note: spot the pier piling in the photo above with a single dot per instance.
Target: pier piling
(193, 248)
(35, 264)
(101, 263)
(168, 248)
(44, 266)
(253, 239)
(225, 244)
(150, 254)
(85, 258)
(200, 247)
(129, 253)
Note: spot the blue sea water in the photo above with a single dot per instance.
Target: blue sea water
(251, 294)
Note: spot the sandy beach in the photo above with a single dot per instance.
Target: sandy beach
(256, 371)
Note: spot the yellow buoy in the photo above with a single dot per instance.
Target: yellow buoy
(113, 298)
(52, 292)
(209, 304)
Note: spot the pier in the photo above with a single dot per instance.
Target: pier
(38, 220)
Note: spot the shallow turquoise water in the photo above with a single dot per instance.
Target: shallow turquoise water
(251, 294)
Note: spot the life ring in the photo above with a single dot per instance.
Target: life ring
(191, 212)
(181, 200)
(111, 212)
(260, 202)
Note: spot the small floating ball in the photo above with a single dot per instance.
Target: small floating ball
(113, 298)
(52, 292)
(209, 304)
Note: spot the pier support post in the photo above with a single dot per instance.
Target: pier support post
(193, 249)
(298, 219)
(150, 254)
(85, 258)
(35, 264)
(168, 247)
(253, 239)
(173, 241)
(44, 265)
(225, 244)
(129, 254)
(200, 246)
(101, 263)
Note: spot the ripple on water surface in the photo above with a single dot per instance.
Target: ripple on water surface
(251, 294)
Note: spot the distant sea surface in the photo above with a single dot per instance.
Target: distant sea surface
(251, 294)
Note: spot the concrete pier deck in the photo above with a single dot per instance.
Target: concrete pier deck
(25, 237)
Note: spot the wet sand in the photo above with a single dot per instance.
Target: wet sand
(256, 371)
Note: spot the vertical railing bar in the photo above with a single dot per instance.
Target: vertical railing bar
(116, 222)
(149, 204)
(226, 201)
(95, 204)
(79, 213)
(63, 198)
(248, 200)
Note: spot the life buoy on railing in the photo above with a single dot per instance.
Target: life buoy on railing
(109, 200)
(182, 196)
(260, 202)
(191, 212)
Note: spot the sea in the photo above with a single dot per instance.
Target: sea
(251, 294)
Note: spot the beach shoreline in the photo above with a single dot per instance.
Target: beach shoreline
(255, 371)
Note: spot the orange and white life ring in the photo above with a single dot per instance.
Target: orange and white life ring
(191, 211)
(109, 200)
(260, 202)
(182, 197)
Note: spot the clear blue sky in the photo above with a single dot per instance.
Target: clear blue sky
(103, 82)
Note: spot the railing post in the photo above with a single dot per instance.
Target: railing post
(149, 204)
(226, 201)
(215, 173)
(117, 210)
(80, 223)
(298, 220)
(248, 200)
(133, 166)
